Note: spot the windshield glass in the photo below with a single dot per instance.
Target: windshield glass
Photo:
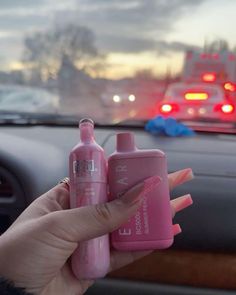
(117, 60)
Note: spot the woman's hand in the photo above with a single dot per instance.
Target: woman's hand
(34, 251)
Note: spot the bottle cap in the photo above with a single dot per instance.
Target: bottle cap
(125, 142)
(86, 120)
(86, 127)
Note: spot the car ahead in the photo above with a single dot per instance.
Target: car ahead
(196, 101)
(27, 99)
(116, 98)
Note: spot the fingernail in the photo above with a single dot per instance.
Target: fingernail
(176, 229)
(65, 182)
(150, 183)
(137, 193)
(183, 176)
(183, 202)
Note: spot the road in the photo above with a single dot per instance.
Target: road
(144, 107)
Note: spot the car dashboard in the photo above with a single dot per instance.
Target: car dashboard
(202, 259)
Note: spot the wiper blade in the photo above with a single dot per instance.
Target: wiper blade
(13, 118)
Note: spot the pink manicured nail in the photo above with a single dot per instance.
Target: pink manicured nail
(176, 229)
(138, 192)
(182, 176)
(150, 183)
(183, 202)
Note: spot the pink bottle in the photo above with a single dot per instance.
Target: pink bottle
(88, 186)
(151, 227)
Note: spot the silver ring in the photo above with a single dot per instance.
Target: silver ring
(65, 180)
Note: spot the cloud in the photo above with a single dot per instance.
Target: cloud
(138, 17)
(137, 45)
(14, 4)
(124, 44)
(120, 25)
(131, 26)
(22, 23)
(164, 48)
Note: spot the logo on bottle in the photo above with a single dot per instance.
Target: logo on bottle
(84, 167)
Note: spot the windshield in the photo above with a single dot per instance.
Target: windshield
(117, 60)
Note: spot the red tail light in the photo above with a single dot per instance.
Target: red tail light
(229, 86)
(196, 96)
(168, 108)
(209, 77)
(227, 108)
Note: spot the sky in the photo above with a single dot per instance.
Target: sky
(134, 34)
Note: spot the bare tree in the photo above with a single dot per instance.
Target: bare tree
(44, 51)
(218, 45)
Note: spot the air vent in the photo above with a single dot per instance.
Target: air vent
(6, 190)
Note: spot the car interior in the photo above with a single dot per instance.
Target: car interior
(145, 54)
(34, 158)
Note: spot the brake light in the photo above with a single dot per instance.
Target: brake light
(166, 108)
(229, 86)
(208, 77)
(196, 96)
(227, 108)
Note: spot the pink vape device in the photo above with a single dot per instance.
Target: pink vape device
(151, 227)
(88, 186)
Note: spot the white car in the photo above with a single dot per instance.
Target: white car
(27, 99)
(196, 101)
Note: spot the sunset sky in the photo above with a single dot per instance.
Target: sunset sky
(135, 34)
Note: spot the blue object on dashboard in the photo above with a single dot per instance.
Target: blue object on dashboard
(169, 127)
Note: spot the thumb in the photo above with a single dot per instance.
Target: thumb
(88, 222)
